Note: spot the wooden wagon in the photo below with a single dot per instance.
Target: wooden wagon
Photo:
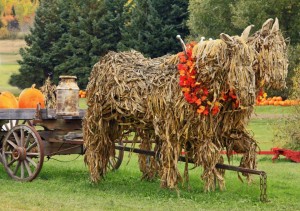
(29, 135)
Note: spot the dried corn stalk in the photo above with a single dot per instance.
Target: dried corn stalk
(271, 63)
(49, 89)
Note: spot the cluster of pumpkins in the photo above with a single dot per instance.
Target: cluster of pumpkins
(28, 98)
(277, 101)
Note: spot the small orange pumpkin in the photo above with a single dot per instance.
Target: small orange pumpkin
(30, 97)
(8, 100)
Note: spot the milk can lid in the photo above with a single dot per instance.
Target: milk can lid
(67, 77)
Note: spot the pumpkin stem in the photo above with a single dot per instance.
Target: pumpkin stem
(33, 86)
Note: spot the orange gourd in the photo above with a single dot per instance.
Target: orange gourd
(8, 100)
(30, 97)
(282, 103)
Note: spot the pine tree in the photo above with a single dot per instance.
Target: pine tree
(152, 26)
(37, 61)
(94, 29)
(68, 38)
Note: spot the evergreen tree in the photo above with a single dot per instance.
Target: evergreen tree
(256, 12)
(152, 26)
(209, 18)
(37, 62)
(68, 38)
(94, 29)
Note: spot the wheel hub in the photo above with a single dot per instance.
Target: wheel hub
(19, 153)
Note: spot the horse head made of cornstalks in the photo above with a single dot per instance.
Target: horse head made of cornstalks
(224, 66)
(241, 76)
(270, 59)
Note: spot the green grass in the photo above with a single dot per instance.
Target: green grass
(262, 131)
(284, 110)
(65, 186)
(8, 63)
(6, 70)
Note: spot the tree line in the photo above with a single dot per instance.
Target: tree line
(68, 37)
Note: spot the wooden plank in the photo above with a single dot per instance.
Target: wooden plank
(27, 114)
(10, 114)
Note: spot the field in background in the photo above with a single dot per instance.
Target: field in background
(11, 46)
(6, 70)
(9, 54)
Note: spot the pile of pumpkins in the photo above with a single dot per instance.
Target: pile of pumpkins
(277, 101)
(28, 98)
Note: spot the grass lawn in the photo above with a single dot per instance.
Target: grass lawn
(9, 54)
(64, 185)
(6, 70)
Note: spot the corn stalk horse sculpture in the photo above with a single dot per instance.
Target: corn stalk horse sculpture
(199, 102)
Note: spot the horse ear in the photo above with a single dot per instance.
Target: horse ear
(246, 33)
(226, 38)
(275, 27)
(265, 29)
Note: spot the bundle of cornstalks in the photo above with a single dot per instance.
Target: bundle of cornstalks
(271, 62)
(200, 101)
(49, 90)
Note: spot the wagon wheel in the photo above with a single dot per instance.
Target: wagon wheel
(116, 161)
(12, 123)
(22, 153)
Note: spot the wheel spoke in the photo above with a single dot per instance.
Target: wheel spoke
(11, 162)
(33, 153)
(11, 124)
(8, 153)
(31, 146)
(22, 138)
(27, 168)
(31, 161)
(27, 140)
(17, 167)
(22, 170)
(12, 144)
(17, 138)
(6, 127)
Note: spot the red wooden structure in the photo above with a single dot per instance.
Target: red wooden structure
(276, 152)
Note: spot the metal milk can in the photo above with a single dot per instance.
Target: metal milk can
(67, 94)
